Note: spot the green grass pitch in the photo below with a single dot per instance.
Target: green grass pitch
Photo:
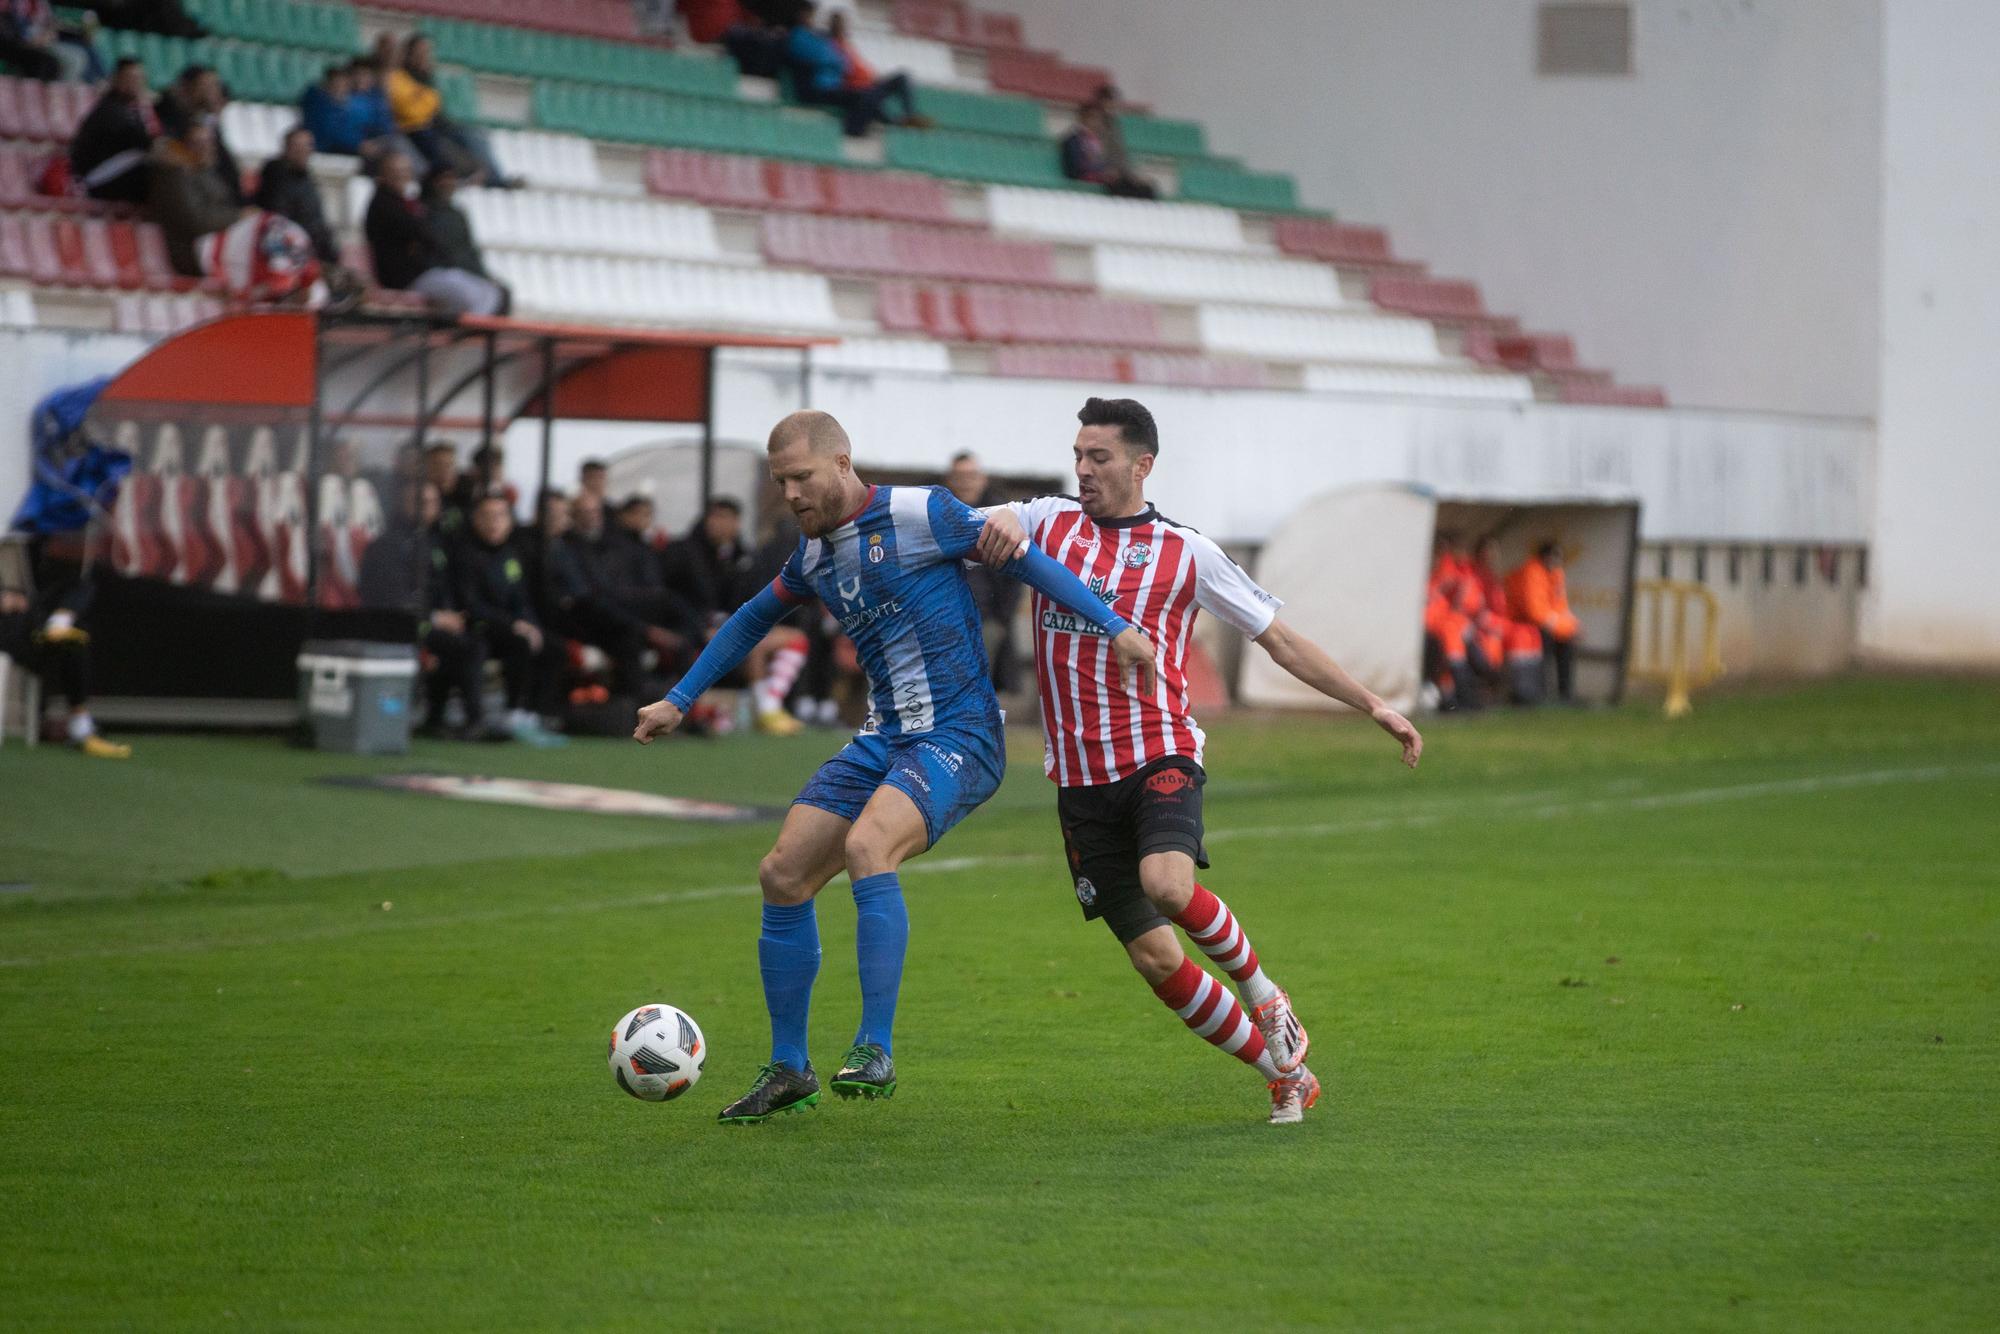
(1625, 1024)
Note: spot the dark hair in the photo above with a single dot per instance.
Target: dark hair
(125, 63)
(592, 465)
(190, 73)
(335, 70)
(297, 129)
(441, 447)
(724, 503)
(485, 452)
(493, 493)
(1547, 549)
(1134, 423)
(637, 500)
(964, 456)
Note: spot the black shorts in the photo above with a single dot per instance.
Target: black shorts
(1108, 827)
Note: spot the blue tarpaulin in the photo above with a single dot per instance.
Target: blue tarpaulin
(73, 477)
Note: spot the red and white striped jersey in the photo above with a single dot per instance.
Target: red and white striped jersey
(1097, 727)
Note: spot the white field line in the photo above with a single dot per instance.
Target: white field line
(947, 865)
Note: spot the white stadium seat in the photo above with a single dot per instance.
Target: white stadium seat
(599, 224)
(1409, 382)
(1302, 335)
(664, 292)
(17, 309)
(1085, 217)
(1195, 275)
(552, 160)
(925, 61)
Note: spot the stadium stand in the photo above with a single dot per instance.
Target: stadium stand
(665, 189)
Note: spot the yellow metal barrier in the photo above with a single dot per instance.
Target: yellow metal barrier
(1661, 651)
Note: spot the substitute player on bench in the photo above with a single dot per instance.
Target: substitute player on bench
(1129, 761)
(887, 561)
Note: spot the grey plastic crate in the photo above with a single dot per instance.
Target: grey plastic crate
(355, 695)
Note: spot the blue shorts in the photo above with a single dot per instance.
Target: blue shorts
(949, 772)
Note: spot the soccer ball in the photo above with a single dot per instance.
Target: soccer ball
(657, 1053)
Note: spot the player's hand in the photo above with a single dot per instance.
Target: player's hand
(656, 720)
(451, 622)
(1136, 651)
(1002, 539)
(1399, 727)
(531, 632)
(12, 603)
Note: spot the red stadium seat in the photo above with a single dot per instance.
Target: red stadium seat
(99, 261)
(124, 242)
(153, 262)
(795, 185)
(32, 109)
(1428, 298)
(44, 263)
(897, 309)
(1605, 394)
(1343, 243)
(14, 259)
(1036, 75)
(1062, 363)
(940, 309)
(1536, 352)
(991, 29)
(68, 104)
(11, 126)
(894, 195)
(16, 182)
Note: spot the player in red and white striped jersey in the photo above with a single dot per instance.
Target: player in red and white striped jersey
(1128, 762)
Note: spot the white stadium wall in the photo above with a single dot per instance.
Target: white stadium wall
(1934, 599)
(1709, 223)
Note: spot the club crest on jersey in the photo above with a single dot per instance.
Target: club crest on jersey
(876, 551)
(1086, 893)
(1138, 555)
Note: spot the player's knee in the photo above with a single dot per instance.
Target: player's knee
(1156, 955)
(871, 850)
(781, 881)
(1168, 886)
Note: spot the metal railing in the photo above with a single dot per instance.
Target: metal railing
(1663, 651)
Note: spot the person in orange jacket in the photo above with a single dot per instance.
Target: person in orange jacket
(1508, 637)
(1455, 659)
(1537, 588)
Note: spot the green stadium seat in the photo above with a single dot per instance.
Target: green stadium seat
(638, 116)
(1161, 137)
(984, 113)
(976, 157)
(1215, 183)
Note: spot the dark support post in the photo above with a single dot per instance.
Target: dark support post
(708, 429)
(486, 391)
(548, 415)
(805, 378)
(313, 455)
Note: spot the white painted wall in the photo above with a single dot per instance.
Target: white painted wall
(1933, 597)
(32, 363)
(1710, 224)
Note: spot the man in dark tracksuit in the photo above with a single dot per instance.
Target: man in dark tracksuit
(492, 587)
(410, 566)
(571, 605)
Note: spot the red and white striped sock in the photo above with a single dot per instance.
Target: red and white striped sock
(778, 677)
(1206, 1006)
(1212, 927)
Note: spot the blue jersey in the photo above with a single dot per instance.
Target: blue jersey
(892, 577)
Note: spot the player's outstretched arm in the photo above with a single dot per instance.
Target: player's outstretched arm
(731, 645)
(1049, 577)
(1003, 538)
(1313, 665)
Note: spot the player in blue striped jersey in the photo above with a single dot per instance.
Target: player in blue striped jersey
(887, 562)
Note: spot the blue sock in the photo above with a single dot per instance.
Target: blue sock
(881, 934)
(788, 955)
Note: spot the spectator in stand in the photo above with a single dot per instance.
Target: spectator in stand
(1094, 150)
(344, 120)
(713, 571)
(286, 187)
(108, 156)
(486, 477)
(169, 18)
(248, 252)
(418, 108)
(825, 74)
(593, 479)
(492, 587)
(440, 469)
(405, 248)
(454, 231)
(1539, 591)
(996, 596)
(41, 601)
(197, 98)
(35, 46)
